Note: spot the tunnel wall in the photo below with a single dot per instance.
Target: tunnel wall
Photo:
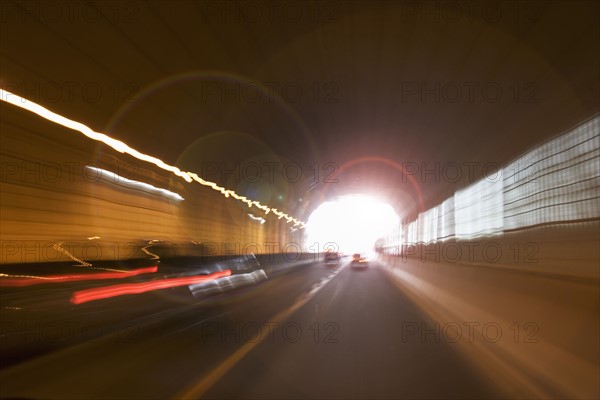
(518, 251)
(65, 196)
(533, 211)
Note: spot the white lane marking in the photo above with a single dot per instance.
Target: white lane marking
(208, 381)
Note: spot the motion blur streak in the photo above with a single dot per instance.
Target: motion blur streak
(152, 255)
(255, 218)
(58, 247)
(122, 147)
(83, 296)
(28, 280)
(111, 177)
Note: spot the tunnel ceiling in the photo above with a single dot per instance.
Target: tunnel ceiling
(360, 89)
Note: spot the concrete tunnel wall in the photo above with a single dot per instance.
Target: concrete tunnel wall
(515, 260)
(53, 203)
(541, 213)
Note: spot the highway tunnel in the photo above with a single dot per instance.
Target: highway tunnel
(299, 199)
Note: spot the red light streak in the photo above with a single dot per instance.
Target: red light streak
(36, 280)
(83, 296)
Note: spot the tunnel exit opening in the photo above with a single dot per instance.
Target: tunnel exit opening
(350, 224)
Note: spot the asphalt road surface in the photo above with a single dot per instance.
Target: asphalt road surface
(322, 331)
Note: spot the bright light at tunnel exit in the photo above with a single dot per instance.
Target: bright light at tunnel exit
(354, 223)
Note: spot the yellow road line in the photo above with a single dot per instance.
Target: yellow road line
(203, 385)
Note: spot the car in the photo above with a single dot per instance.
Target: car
(331, 256)
(359, 261)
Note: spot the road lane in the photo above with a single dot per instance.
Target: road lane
(345, 342)
(351, 346)
(162, 348)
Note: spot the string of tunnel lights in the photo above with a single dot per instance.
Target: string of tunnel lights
(122, 147)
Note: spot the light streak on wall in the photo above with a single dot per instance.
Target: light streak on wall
(58, 247)
(255, 218)
(145, 250)
(122, 147)
(111, 177)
